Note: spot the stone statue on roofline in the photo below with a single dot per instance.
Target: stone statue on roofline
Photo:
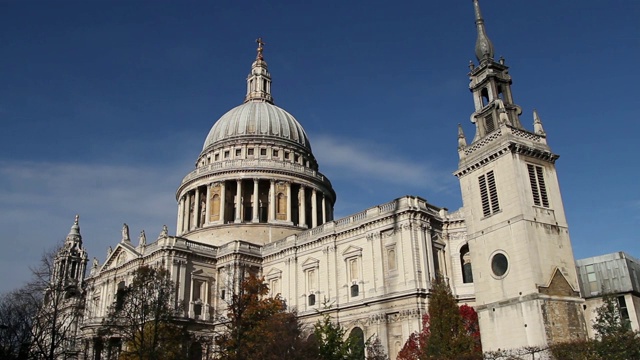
(142, 239)
(125, 233)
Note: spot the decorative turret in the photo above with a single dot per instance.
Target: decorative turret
(491, 86)
(71, 260)
(259, 80)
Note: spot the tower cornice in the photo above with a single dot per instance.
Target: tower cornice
(506, 140)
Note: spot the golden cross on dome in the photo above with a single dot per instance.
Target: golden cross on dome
(260, 48)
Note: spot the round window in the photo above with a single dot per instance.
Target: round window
(499, 264)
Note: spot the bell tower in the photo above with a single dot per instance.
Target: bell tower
(523, 266)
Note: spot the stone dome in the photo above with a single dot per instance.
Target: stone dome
(257, 119)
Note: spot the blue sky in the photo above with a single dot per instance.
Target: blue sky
(105, 105)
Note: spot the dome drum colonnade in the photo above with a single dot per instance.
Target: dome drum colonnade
(256, 167)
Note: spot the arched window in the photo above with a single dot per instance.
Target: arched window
(465, 262)
(391, 258)
(484, 93)
(357, 335)
(195, 351)
(500, 93)
(120, 293)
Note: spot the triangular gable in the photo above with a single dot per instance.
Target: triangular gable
(558, 286)
(352, 251)
(117, 255)
(310, 263)
(274, 273)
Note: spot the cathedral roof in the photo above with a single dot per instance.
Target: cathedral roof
(257, 119)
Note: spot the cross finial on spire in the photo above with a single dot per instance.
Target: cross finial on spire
(260, 48)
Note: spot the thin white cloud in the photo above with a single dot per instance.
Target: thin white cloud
(366, 161)
(39, 200)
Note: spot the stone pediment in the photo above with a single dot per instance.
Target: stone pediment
(352, 251)
(274, 273)
(123, 252)
(310, 263)
(558, 286)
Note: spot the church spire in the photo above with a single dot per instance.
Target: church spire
(484, 47)
(259, 80)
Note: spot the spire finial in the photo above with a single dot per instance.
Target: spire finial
(537, 124)
(484, 47)
(260, 48)
(259, 80)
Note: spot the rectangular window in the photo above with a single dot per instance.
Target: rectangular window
(624, 312)
(490, 124)
(391, 258)
(592, 279)
(217, 157)
(263, 152)
(538, 187)
(275, 153)
(274, 287)
(250, 152)
(353, 269)
(238, 152)
(226, 154)
(488, 194)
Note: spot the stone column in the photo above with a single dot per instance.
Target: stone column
(272, 200)
(302, 208)
(207, 211)
(187, 212)
(180, 211)
(314, 208)
(182, 280)
(288, 202)
(324, 210)
(239, 201)
(255, 203)
(223, 200)
(196, 210)
(191, 313)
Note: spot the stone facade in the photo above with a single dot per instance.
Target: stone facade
(256, 201)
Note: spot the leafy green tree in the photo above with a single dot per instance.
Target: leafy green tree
(332, 344)
(448, 331)
(375, 350)
(142, 318)
(609, 321)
